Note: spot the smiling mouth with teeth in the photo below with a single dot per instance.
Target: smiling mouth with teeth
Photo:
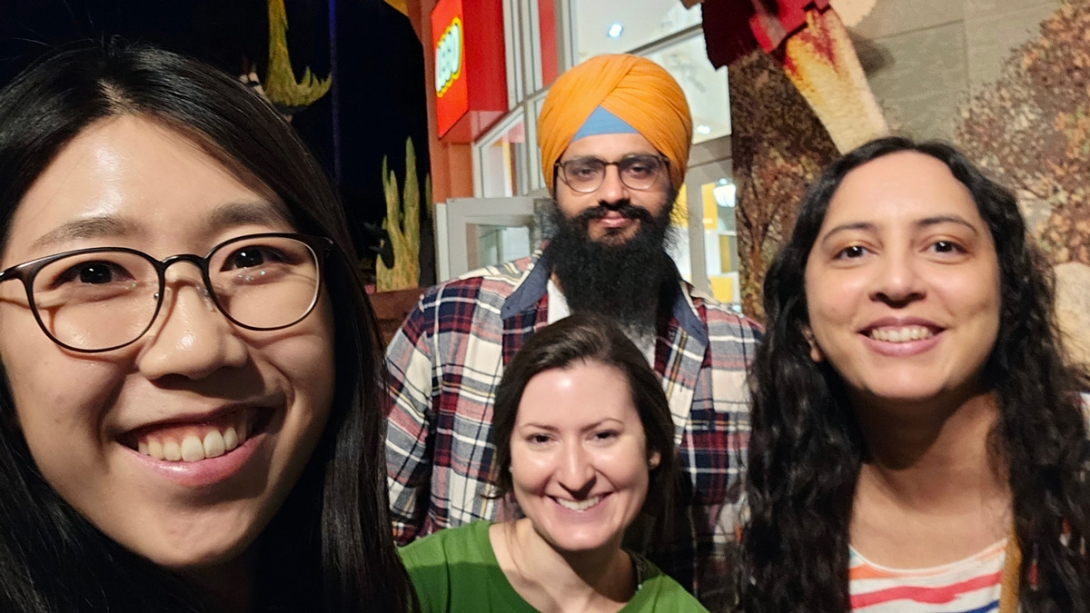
(902, 334)
(196, 442)
(578, 505)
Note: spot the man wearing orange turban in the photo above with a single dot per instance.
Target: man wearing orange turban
(614, 133)
(635, 90)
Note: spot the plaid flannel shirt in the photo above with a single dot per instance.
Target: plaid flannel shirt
(447, 359)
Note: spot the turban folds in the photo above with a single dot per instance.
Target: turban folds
(638, 91)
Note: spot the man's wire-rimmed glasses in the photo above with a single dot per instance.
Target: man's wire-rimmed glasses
(586, 174)
(104, 298)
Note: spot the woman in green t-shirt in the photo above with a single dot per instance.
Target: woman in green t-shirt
(584, 436)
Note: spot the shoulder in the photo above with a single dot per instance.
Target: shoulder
(449, 546)
(450, 568)
(492, 282)
(722, 315)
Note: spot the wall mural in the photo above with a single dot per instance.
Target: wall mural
(778, 147)
(1031, 130)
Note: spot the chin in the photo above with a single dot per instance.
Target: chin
(197, 557)
(587, 544)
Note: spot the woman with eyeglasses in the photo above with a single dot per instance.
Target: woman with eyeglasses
(190, 419)
(586, 445)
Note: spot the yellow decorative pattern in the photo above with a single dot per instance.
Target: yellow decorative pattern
(402, 225)
(280, 85)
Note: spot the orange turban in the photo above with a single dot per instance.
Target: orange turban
(635, 89)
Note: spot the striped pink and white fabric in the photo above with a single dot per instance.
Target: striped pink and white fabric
(969, 586)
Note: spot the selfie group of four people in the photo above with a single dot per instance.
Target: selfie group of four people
(197, 414)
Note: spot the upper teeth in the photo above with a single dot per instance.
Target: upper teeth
(578, 505)
(195, 444)
(901, 335)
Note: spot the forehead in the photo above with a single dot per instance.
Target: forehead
(147, 178)
(901, 187)
(576, 396)
(609, 147)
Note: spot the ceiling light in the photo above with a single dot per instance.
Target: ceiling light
(615, 30)
(703, 129)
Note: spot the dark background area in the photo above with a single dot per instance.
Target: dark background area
(377, 99)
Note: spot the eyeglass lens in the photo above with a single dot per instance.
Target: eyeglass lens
(106, 299)
(636, 171)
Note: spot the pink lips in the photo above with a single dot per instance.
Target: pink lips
(614, 220)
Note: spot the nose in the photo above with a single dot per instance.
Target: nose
(898, 281)
(576, 470)
(612, 188)
(191, 338)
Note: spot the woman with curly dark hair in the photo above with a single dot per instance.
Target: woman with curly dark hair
(919, 443)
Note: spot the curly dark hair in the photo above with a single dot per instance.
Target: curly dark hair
(806, 448)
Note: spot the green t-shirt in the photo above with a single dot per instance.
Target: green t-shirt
(456, 571)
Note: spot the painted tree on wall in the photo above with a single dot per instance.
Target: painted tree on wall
(778, 148)
(1031, 129)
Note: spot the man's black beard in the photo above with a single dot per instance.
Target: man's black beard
(629, 281)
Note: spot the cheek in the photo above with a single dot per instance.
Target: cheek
(529, 472)
(308, 360)
(571, 203)
(60, 414)
(652, 200)
(832, 301)
(628, 470)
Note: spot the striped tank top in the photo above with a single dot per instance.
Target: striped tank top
(971, 585)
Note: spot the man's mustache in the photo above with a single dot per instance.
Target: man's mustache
(625, 208)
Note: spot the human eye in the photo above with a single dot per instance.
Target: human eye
(606, 435)
(947, 247)
(252, 256)
(538, 438)
(641, 166)
(92, 277)
(584, 168)
(91, 272)
(851, 252)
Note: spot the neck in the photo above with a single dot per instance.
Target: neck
(230, 584)
(933, 455)
(552, 580)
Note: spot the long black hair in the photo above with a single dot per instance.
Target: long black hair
(806, 448)
(329, 548)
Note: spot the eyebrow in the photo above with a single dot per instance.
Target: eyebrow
(95, 226)
(624, 157)
(597, 424)
(926, 222)
(109, 225)
(234, 214)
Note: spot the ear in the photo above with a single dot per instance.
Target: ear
(654, 461)
(815, 352)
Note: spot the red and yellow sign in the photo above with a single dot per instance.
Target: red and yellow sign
(470, 74)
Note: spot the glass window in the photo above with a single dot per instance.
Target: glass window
(615, 27)
(503, 160)
(721, 240)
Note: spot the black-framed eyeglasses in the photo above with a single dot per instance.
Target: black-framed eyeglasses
(104, 298)
(586, 175)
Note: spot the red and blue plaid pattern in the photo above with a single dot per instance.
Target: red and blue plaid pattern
(448, 357)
